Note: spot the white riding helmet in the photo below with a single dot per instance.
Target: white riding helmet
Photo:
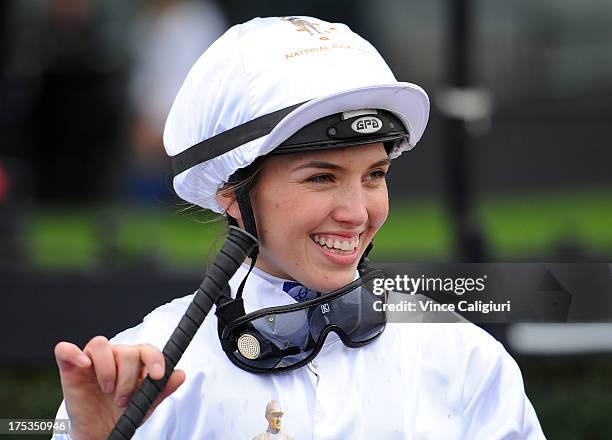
(265, 80)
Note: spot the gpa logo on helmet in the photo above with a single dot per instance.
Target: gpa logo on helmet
(366, 125)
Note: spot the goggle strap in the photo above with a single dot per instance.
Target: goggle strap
(226, 345)
(243, 283)
(230, 310)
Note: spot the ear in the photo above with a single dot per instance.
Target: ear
(228, 202)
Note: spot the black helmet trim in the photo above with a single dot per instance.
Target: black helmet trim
(228, 140)
(338, 130)
(345, 129)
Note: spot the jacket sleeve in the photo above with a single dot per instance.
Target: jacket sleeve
(497, 406)
(61, 414)
(162, 424)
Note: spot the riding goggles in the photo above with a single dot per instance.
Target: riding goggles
(283, 338)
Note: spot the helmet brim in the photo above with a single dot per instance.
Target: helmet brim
(407, 101)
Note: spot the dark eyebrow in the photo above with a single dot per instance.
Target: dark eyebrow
(385, 161)
(318, 164)
(333, 166)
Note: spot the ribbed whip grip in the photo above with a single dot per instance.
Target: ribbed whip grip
(238, 245)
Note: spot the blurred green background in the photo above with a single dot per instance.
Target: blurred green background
(535, 225)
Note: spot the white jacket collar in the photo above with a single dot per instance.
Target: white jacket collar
(261, 290)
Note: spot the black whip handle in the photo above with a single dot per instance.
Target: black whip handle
(237, 246)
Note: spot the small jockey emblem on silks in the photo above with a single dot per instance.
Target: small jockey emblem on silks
(308, 26)
(325, 308)
(274, 416)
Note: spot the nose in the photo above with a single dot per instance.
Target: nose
(351, 205)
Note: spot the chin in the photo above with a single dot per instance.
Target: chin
(333, 281)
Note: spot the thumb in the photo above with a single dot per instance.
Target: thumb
(176, 379)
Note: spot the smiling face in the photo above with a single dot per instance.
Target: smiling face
(316, 213)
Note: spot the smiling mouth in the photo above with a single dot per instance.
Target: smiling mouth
(335, 245)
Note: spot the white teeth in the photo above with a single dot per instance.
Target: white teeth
(336, 244)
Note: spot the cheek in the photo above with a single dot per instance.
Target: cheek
(379, 210)
(279, 213)
(295, 208)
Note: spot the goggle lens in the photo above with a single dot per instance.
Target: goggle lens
(286, 337)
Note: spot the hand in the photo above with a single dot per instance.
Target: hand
(97, 382)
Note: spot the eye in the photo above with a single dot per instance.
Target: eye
(321, 178)
(377, 175)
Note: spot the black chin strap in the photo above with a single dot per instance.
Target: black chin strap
(243, 197)
(362, 267)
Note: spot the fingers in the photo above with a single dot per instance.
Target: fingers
(117, 369)
(101, 354)
(128, 373)
(130, 361)
(176, 380)
(153, 360)
(68, 355)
